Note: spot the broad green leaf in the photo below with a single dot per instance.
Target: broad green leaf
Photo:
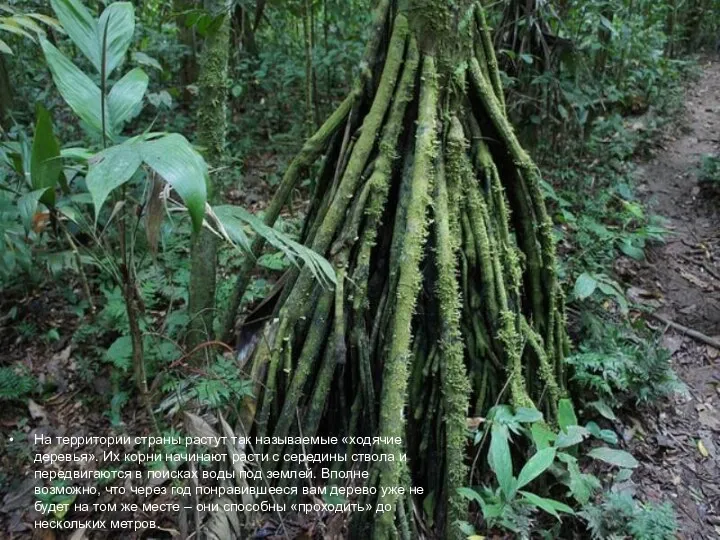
(78, 90)
(80, 26)
(470, 494)
(125, 96)
(53, 23)
(502, 414)
(566, 414)
(542, 436)
(631, 250)
(234, 226)
(321, 269)
(174, 158)
(604, 409)
(466, 528)
(611, 288)
(500, 460)
(607, 24)
(581, 485)
(607, 435)
(535, 466)
(10, 25)
(29, 24)
(584, 286)
(145, 60)
(87, 32)
(110, 169)
(119, 17)
(526, 415)
(76, 153)
(45, 163)
(614, 457)
(571, 436)
(551, 506)
(4, 48)
(27, 207)
(623, 475)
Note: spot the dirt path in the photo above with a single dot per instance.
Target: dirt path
(679, 446)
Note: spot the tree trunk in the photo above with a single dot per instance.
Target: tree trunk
(244, 29)
(212, 127)
(447, 293)
(186, 36)
(6, 94)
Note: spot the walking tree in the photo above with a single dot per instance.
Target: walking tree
(447, 300)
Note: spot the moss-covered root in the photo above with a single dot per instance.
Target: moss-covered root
(454, 380)
(295, 305)
(309, 153)
(395, 373)
(488, 50)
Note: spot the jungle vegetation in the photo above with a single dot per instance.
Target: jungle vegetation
(347, 218)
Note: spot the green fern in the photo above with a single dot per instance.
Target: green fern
(654, 522)
(619, 514)
(15, 383)
(618, 366)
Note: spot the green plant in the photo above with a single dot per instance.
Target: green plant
(618, 365)
(618, 514)
(709, 173)
(586, 284)
(131, 171)
(513, 504)
(58, 499)
(218, 386)
(23, 24)
(16, 383)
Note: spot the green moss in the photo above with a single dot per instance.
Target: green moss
(454, 380)
(392, 401)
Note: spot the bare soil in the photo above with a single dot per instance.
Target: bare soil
(678, 444)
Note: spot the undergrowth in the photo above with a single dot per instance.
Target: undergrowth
(620, 364)
(618, 515)
(616, 361)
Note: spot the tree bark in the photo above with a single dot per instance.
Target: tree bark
(186, 36)
(212, 127)
(6, 93)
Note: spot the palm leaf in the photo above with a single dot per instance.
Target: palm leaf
(233, 218)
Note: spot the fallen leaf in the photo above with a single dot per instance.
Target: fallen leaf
(672, 343)
(692, 278)
(198, 427)
(36, 411)
(702, 449)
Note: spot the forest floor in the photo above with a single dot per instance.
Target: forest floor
(678, 443)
